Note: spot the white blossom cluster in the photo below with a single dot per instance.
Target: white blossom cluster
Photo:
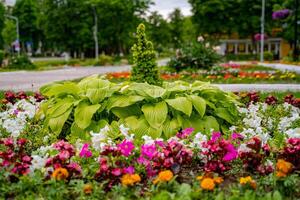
(15, 118)
(258, 122)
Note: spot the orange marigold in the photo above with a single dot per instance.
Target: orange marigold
(283, 167)
(60, 174)
(218, 180)
(130, 179)
(208, 184)
(164, 176)
(87, 189)
(248, 180)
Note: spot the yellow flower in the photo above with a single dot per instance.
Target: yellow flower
(164, 176)
(248, 180)
(208, 184)
(87, 189)
(218, 180)
(245, 180)
(130, 179)
(199, 178)
(283, 167)
(60, 174)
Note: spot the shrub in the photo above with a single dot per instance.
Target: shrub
(20, 62)
(146, 109)
(268, 56)
(241, 57)
(145, 68)
(1, 57)
(194, 56)
(104, 60)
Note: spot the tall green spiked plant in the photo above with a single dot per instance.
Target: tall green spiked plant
(144, 58)
(78, 108)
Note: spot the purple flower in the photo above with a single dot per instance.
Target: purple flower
(116, 172)
(85, 152)
(281, 14)
(126, 147)
(258, 37)
(148, 151)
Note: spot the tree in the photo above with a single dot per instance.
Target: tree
(2, 10)
(144, 57)
(158, 30)
(9, 33)
(26, 11)
(176, 24)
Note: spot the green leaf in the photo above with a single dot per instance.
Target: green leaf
(97, 95)
(155, 114)
(182, 104)
(56, 123)
(146, 90)
(199, 104)
(277, 196)
(140, 127)
(60, 107)
(170, 127)
(127, 111)
(62, 89)
(208, 123)
(123, 101)
(223, 113)
(84, 113)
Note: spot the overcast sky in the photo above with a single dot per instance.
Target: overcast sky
(164, 7)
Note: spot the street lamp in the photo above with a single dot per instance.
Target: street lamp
(17, 29)
(262, 35)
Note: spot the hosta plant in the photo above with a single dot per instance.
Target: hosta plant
(93, 103)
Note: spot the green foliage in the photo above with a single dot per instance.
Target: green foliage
(245, 57)
(2, 10)
(146, 109)
(9, 33)
(1, 57)
(268, 56)
(194, 56)
(144, 58)
(176, 27)
(104, 60)
(20, 62)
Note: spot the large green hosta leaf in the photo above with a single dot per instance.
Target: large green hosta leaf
(148, 91)
(182, 104)
(56, 123)
(199, 104)
(224, 113)
(60, 107)
(61, 89)
(140, 127)
(155, 114)
(84, 113)
(124, 112)
(170, 127)
(209, 123)
(123, 101)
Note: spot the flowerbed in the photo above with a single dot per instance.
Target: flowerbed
(256, 158)
(226, 73)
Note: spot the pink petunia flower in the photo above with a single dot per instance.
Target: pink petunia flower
(85, 152)
(126, 147)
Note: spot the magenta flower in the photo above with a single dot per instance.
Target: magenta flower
(148, 151)
(236, 136)
(142, 161)
(129, 170)
(231, 154)
(116, 172)
(64, 155)
(215, 136)
(185, 133)
(85, 152)
(126, 147)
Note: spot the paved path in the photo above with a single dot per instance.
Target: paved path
(282, 67)
(32, 81)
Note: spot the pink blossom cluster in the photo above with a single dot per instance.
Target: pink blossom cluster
(219, 153)
(14, 158)
(11, 97)
(291, 152)
(254, 157)
(63, 159)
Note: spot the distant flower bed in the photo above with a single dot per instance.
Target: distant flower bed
(259, 155)
(229, 73)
